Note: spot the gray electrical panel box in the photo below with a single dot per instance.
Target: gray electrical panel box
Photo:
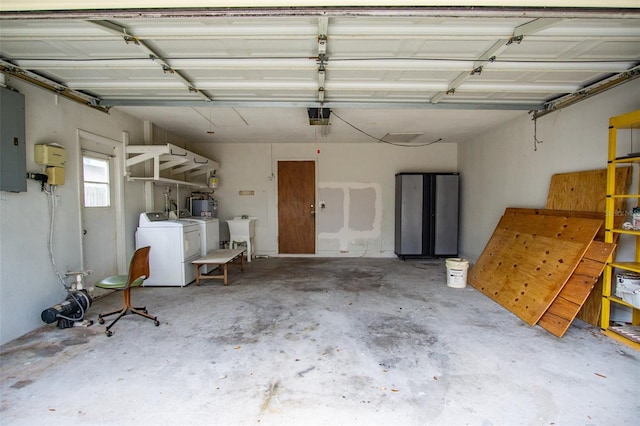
(13, 150)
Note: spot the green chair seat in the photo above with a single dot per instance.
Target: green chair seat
(118, 282)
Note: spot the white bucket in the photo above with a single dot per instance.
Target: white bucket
(457, 272)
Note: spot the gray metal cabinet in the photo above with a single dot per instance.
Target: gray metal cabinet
(426, 214)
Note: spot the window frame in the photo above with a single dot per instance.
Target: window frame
(106, 161)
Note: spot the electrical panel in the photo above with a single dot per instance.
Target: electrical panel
(13, 151)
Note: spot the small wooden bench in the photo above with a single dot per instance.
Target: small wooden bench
(222, 258)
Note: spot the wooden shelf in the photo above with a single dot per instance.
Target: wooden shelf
(170, 161)
(168, 181)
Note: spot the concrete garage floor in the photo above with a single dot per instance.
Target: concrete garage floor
(308, 341)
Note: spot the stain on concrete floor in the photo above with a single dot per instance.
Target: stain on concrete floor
(318, 341)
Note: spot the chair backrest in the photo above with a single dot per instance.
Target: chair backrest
(139, 266)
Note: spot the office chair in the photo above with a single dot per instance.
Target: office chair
(138, 272)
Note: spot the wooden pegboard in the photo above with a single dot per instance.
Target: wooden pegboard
(586, 191)
(528, 260)
(570, 213)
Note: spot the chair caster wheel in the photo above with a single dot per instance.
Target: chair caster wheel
(145, 311)
(156, 322)
(109, 333)
(100, 320)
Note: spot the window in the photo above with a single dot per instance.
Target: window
(96, 182)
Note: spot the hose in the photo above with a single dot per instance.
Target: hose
(52, 215)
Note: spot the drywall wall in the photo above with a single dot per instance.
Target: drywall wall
(28, 283)
(502, 168)
(351, 217)
(355, 182)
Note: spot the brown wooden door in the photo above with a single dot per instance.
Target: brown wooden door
(296, 207)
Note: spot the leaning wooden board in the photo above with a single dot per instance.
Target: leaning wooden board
(568, 213)
(557, 319)
(528, 260)
(584, 279)
(586, 191)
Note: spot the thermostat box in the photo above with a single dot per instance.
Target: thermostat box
(55, 175)
(50, 155)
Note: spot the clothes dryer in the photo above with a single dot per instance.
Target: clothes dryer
(174, 244)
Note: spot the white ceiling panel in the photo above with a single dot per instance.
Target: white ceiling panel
(248, 27)
(612, 50)
(234, 47)
(387, 66)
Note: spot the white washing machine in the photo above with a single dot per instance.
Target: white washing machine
(174, 244)
(209, 237)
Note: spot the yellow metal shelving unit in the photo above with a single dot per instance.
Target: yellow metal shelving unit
(628, 334)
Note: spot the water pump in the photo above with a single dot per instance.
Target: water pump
(69, 312)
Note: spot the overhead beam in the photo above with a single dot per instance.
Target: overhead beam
(535, 26)
(153, 56)
(512, 106)
(496, 49)
(53, 86)
(94, 9)
(199, 32)
(303, 64)
(487, 56)
(589, 91)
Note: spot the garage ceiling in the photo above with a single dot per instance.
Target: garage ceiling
(250, 75)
